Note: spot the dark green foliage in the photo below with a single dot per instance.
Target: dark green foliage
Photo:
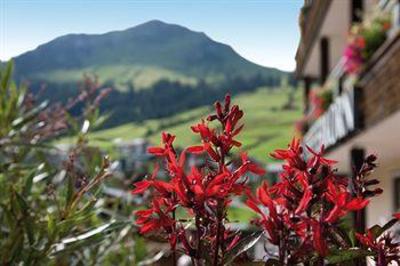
(342, 257)
(374, 35)
(48, 198)
(163, 99)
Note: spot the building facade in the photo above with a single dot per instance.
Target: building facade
(363, 114)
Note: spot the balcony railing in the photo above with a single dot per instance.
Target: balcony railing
(335, 124)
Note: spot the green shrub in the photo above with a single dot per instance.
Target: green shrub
(49, 212)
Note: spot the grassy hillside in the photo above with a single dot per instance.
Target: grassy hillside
(122, 76)
(267, 125)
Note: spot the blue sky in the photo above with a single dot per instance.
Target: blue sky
(263, 31)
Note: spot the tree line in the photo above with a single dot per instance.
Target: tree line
(162, 99)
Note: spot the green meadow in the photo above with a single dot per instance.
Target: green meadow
(268, 125)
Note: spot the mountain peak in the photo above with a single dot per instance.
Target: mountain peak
(157, 26)
(156, 44)
(154, 22)
(151, 24)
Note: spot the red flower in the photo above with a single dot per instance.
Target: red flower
(271, 222)
(233, 242)
(397, 215)
(167, 142)
(205, 132)
(229, 118)
(265, 198)
(305, 200)
(343, 203)
(203, 191)
(306, 203)
(155, 218)
(367, 240)
(317, 158)
(293, 155)
(195, 149)
(141, 187)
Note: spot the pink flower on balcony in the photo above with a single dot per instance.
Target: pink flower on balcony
(353, 58)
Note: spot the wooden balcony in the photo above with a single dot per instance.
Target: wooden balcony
(374, 98)
(380, 83)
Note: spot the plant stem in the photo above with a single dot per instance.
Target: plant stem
(359, 229)
(174, 256)
(198, 235)
(220, 210)
(174, 249)
(282, 251)
(218, 240)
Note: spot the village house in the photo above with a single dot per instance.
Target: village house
(362, 115)
(133, 155)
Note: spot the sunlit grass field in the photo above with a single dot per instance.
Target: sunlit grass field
(139, 77)
(267, 124)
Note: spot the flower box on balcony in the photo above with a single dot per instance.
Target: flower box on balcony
(335, 124)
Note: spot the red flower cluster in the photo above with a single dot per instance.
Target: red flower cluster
(305, 208)
(302, 215)
(385, 250)
(204, 192)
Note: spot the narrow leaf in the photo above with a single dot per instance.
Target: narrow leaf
(243, 245)
(340, 256)
(378, 230)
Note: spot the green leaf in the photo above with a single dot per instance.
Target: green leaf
(345, 233)
(27, 219)
(17, 245)
(69, 189)
(66, 225)
(101, 120)
(28, 183)
(339, 256)
(9, 218)
(51, 227)
(352, 237)
(22, 203)
(140, 248)
(30, 115)
(378, 230)
(73, 123)
(6, 75)
(91, 237)
(243, 245)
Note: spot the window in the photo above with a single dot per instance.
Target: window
(396, 194)
(356, 10)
